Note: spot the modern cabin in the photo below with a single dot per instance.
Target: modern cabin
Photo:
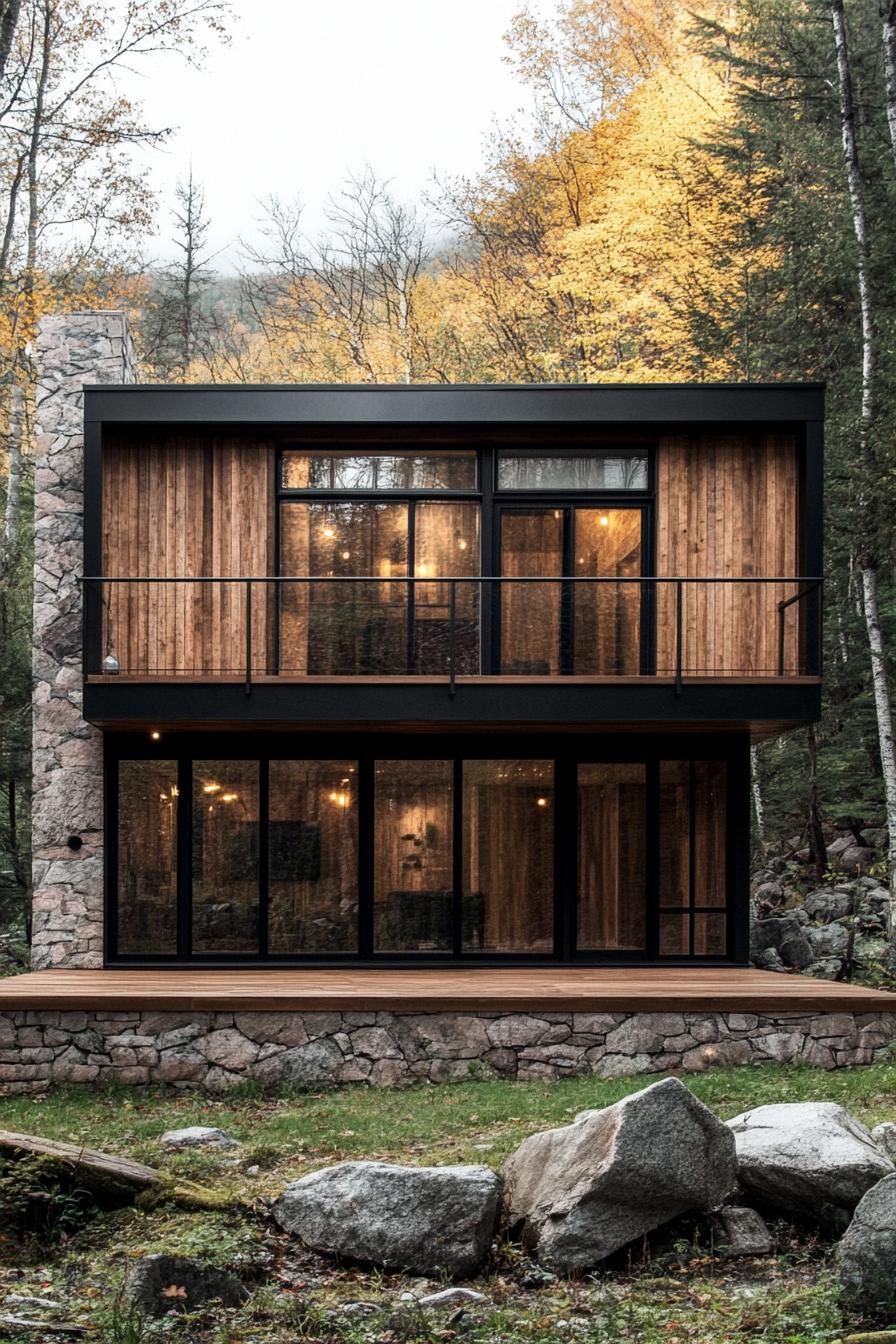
(385, 733)
(414, 675)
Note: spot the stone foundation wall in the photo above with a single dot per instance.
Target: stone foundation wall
(67, 766)
(216, 1051)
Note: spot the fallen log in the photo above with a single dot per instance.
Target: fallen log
(106, 1174)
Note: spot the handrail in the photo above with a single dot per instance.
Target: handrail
(674, 628)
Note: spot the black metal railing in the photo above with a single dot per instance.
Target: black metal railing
(450, 628)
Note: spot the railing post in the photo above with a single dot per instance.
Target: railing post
(248, 636)
(452, 639)
(679, 605)
(781, 639)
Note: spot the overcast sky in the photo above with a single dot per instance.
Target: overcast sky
(310, 90)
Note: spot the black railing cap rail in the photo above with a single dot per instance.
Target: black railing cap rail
(445, 578)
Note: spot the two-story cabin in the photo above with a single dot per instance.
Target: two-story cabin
(432, 674)
(392, 678)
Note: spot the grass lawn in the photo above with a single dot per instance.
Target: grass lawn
(670, 1289)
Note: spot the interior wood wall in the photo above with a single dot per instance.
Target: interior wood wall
(178, 507)
(727, 506)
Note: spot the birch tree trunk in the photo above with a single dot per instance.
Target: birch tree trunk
(888, 37)
(867, 561)
(884, 711)
(758, 806)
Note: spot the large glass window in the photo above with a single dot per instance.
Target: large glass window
(611, 844)
(360, 854)
(378, 624)
(147, 858)
(225, 856)
(508, 856)
(692, 849)
(600, 469)
(313, 856)
(363, 469)
(413, 859)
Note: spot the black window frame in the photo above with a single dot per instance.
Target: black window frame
(492, 503)
(567, 753)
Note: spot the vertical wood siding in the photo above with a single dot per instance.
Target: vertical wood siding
(727, 507)
(178, 508)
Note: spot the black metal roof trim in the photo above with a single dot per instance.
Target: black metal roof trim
(453, 404)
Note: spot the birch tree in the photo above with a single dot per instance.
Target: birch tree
(869, 469)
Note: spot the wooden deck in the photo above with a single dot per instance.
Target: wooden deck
(561, 989)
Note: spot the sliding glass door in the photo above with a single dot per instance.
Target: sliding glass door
(379, 851)
(575, 609)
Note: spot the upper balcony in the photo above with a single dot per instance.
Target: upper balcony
(299, 560)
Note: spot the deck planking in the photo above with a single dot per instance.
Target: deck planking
(437, 989)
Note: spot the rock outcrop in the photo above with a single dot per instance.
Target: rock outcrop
(579, 1193)
(807, 1158)
(431, 1220)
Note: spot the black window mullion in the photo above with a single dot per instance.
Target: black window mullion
(488, 532)
(652, 858)
(566, 856)
(366, 851)
(263, 856)
(692, 858)
(184, 858)
(457, 858)
(110, 942)
(412, 594)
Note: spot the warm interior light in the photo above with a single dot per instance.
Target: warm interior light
(557, 513)
(604, 520)
(329, 532)
(163, 797)
(346, 555)
(462, 544)
(424, 571)
(229, 797)
(340, 798)
(155, 736)
(211, 788)
(175, 791)
(541, 802)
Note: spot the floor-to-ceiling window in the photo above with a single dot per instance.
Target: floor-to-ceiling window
(383, 848)
(368, 540)
(354, 528)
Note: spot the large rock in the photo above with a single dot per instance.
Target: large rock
(826, 904)
(809, 1158)
(581, 1192)
(829, 940)
(430, 1220)
(163, 1283)
(785, 934)
(866, 1256)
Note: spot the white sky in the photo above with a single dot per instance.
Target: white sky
(308, 92)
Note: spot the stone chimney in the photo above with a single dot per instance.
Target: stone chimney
(67, 808)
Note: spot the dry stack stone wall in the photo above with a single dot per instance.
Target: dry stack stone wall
(216, 1051)
(67, 752)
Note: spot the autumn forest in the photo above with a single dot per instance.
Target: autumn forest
(702, 194)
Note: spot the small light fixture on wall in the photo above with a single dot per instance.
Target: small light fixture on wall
(155, 735)
(111, 665)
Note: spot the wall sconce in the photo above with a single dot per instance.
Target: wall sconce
(542, 802)
(211, 787)
(155, 736)
(604, 520)
(111, 665)
(328, 532)
(340, 798)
